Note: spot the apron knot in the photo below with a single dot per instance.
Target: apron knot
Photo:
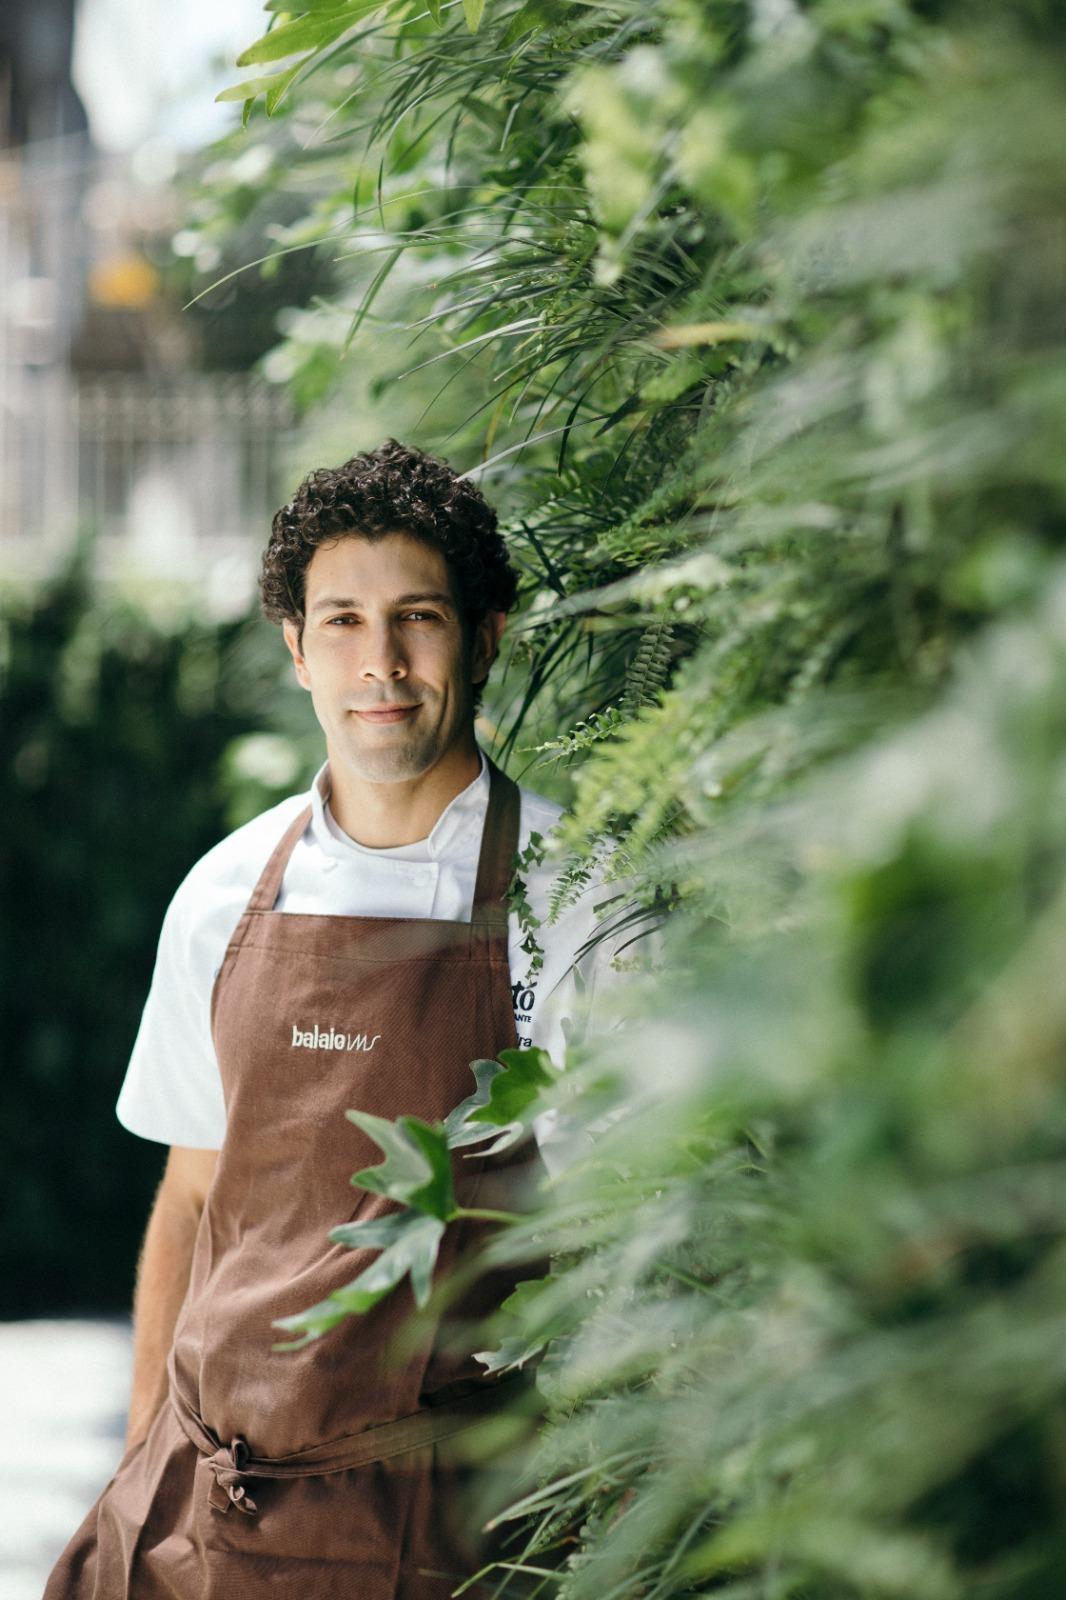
(229, 1488)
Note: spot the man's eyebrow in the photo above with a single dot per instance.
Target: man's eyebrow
(342, 602)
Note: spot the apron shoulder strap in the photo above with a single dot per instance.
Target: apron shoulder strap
(499, 846)
(266, 890)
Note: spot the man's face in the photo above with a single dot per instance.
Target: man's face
(384, 655)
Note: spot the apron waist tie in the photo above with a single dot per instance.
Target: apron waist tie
(227, 1464)
(231, 1464)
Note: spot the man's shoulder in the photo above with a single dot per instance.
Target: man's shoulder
(232, 866)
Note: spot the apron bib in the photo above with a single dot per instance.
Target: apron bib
(324, 1470)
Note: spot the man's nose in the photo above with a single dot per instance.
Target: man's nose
(383, 653)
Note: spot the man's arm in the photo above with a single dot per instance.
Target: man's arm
(163, 1277)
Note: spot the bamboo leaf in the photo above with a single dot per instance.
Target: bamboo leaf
(473, 10)
(314, 6)
(278, 90)
(251, 88)
(371, 294)
(305, 33)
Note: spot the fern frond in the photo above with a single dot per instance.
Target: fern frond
(650, 668)
(597, 726)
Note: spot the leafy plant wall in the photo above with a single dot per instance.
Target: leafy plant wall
(763, 303)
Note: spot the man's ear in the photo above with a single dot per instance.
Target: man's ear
(292, 639)
(487, 644)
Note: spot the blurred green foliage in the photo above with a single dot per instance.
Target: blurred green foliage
(127, 728)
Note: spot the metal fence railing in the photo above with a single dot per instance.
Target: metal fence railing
(171, 470)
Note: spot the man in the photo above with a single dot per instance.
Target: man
(350, 949)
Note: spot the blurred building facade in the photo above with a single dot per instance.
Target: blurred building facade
(107, 425)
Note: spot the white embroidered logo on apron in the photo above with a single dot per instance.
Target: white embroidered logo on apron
(330, 1039)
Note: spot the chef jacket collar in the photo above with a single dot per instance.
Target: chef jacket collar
(459, 822)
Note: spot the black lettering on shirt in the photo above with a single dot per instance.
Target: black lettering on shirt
(523, 999)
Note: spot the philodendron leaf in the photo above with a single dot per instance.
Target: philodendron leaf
(415, 1240)
(417, 1168)
(503, 1139)
(515, 1090)
(373, 1234)
(417, 1173)
(506, 1100)
(456, 1123)
(518, 1345)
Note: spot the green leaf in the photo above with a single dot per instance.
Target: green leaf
(473, 10)
(456, 1124)
(306, 33)
(413, 1250)
(513, 1091)
(251, 87)
(376, 1233)
(532, 17)
(273, 85)
(517, 1345)
(417, 1169)
(504, 1138)
(308, 5)
(280, 88)
(434, 10)
(371, 294)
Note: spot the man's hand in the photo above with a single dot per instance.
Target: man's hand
(163, 1278)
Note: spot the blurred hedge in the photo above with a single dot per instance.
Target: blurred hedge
(120, 723)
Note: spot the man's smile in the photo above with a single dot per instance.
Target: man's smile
(388, 713)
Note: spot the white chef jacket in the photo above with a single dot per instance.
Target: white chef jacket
(172, 1091)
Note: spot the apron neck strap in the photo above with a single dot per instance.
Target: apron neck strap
(499, 846)
(496, 861)
(266, 890)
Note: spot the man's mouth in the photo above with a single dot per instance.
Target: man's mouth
(388, 713)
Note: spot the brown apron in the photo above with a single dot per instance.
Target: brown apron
(323, 1470)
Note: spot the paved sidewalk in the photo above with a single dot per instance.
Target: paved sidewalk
(64, 1388)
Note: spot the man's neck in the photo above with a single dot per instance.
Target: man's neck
(385, 815)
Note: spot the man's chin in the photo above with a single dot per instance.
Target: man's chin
(391, 762)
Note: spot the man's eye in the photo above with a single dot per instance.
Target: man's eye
(424, 616)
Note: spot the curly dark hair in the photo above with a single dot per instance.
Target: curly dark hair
(393, 489)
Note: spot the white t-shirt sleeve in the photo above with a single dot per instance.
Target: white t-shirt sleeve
(172, 1091)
